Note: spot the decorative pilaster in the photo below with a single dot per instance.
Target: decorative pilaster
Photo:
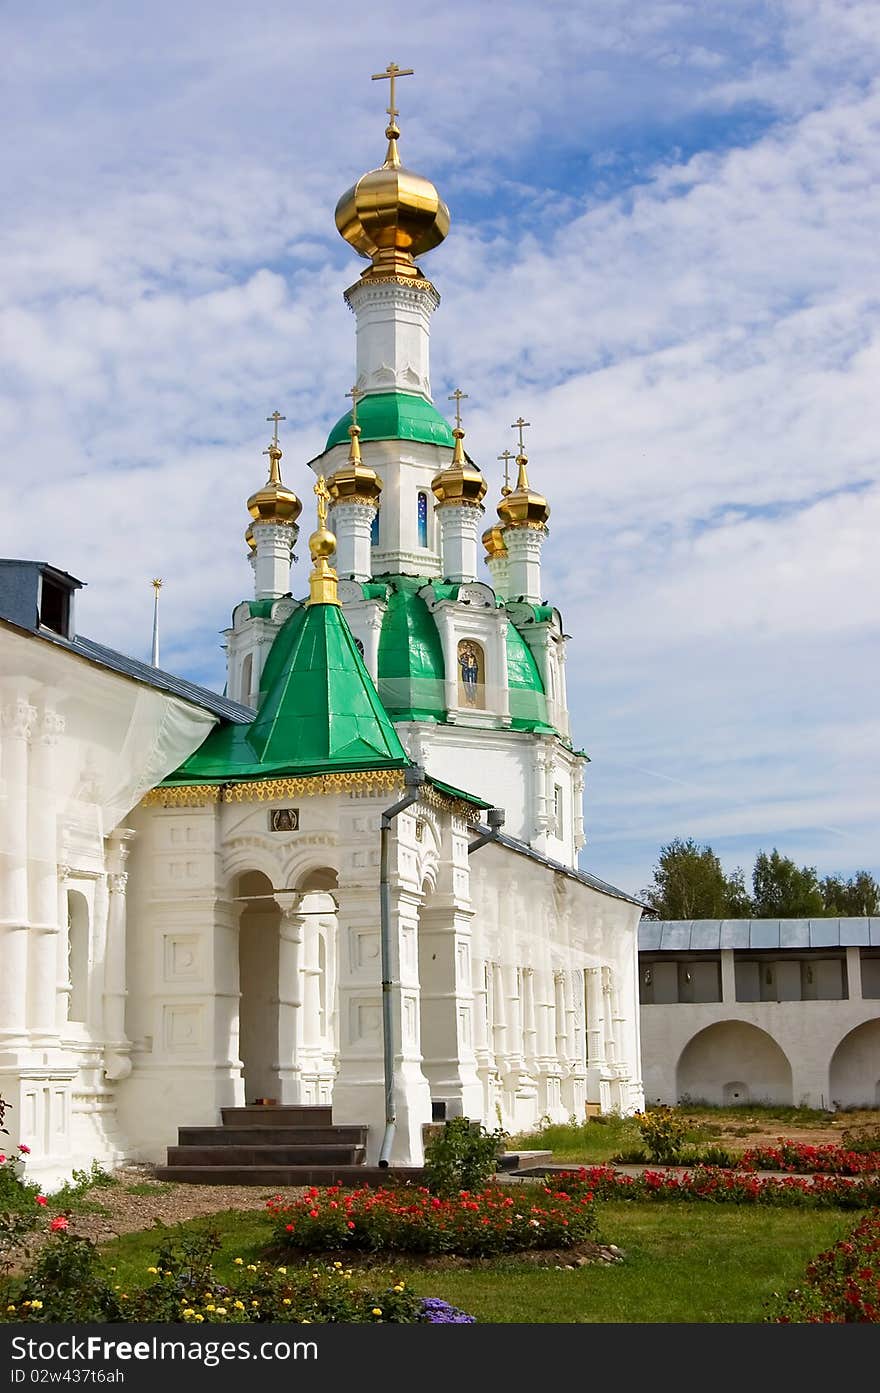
(292, 930)
(42, 857)
(17, 721)
(117, 1060)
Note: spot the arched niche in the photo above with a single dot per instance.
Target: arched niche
(734, 1057)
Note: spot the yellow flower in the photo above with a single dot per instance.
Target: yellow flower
(10, 1308)
(377, 1310)
(238, 1305)
(36, 1305)
(188, 1312)
(154, 1270)
(399, 1286)
(239, 1262)
(251, 1267)
(283, 1271)
(210, 1307)
(337, 1264)
(198, 1317)
(208, 1295)
(285, 1301)
(221, 1310)
(255, 1303)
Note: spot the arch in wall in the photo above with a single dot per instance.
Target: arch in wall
(258, 968)
(78, 957)
(733, 1062)
(247, 678)
(855, 1068)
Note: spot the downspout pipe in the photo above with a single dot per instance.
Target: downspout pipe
(495, 819)
(414, 778)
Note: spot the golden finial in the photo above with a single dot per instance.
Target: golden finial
(355, 482)
(458, 396)
(507, 456)
(322, 544)
(156, 583)
(274, 502)
(392, 130)
(354, 430)
(522, 507)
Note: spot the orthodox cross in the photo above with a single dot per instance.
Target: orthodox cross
(392, 72)
(322, 493)
(157, 586)
(507, 456)
(276, 417)
(355, 395)
(458, 396)
(518, 425)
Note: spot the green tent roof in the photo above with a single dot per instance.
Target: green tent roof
(395, 416)
(319, 712)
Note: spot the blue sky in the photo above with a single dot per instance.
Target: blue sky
(663, 253)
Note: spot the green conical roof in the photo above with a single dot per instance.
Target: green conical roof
(394, 416)
(319, 712)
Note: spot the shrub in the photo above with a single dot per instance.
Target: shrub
(862, 1139)
(797, 1156)
(17, 1193)
(69, 1283)
(477, 1223)
(462, 1157)
(663, 1131)
(841, 1286)
(724, 1186)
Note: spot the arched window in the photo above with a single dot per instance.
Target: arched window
(374, 530)
(77, 956)
(471, 674)
(423, 519)
(359, 645)
(247, 671)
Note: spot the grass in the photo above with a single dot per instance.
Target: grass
(684, 1263)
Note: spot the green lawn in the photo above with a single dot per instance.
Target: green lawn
(684, 1262)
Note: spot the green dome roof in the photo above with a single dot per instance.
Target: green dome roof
(394, 416)
(411, 668)
(528, 703)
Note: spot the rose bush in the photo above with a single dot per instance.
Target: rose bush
(797, 1156)
(841, 1286)
(473, 1223)
(723, 1186)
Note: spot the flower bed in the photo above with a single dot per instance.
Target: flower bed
(480, 1223)
(842, 1285)
(797, 1156)
(69, 1283)
(723, 1186)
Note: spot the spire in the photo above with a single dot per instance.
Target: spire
(323, 589)
(157, 586)
(274, 502)
(392, 130)
(460, 483)
(522, 506)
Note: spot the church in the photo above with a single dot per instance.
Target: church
(350, 883)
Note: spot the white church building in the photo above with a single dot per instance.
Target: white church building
(350, 884)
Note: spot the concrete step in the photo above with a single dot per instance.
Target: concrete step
(271, 1136)
(248, 1155)
(516, 1162)
(286, 1115)
(277, 1176)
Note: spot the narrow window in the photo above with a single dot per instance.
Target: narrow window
(423, 519)
(557, 809)
(247, 673)
(374, 530)
(77, 955)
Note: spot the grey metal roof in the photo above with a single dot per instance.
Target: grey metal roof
(710, 935)
(585, 878)
(143, 672)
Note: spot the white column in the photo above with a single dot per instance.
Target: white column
(117, 1062)
(597, 1088)
(393, 334)
(292, 929)
(63, 985)
(728, 977)
(459, 535)
(17, 718)
(577, 806)
(498, 570)
(447, 1007)
(853, 974)
(524, 562)
(352, 524)
(271, 559)
(43, 858)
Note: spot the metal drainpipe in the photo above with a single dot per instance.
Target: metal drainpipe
(495, 819)
(414, 778)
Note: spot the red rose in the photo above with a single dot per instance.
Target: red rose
(41, 1199)
(25, 1150)
(59, 1224)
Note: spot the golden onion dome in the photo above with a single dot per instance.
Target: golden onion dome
(493, 541)
(461, 483)
(355, 482)
(249, 537)
(523, 507)
(392, 215)
(274, 502)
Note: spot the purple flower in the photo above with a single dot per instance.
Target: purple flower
(437, 1312)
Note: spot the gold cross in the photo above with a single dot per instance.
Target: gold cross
(458, 396)
(355, 395)
(393, 72)
(156, 584)
(276, 417)
(322, 493)
(518, 425)
(507, 457)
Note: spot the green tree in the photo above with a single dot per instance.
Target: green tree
(690, 883)
(857, 896)
(783, 890)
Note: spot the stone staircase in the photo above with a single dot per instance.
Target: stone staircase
(276, 1145)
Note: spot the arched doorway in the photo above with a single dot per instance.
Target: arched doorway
(258, 939)
(733, 1062)
(855, 1068)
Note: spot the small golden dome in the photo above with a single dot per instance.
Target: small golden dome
(249, 537)
(493, 541)
(392, 215)
(461, 482)
(355, 482)
(523, 507)
(323, 587)
(274, 502)
(322, 543)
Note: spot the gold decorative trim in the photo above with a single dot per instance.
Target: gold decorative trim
(264, 790)
(187, 796)
(433, 798)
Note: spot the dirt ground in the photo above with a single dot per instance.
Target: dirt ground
(740, 1129)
